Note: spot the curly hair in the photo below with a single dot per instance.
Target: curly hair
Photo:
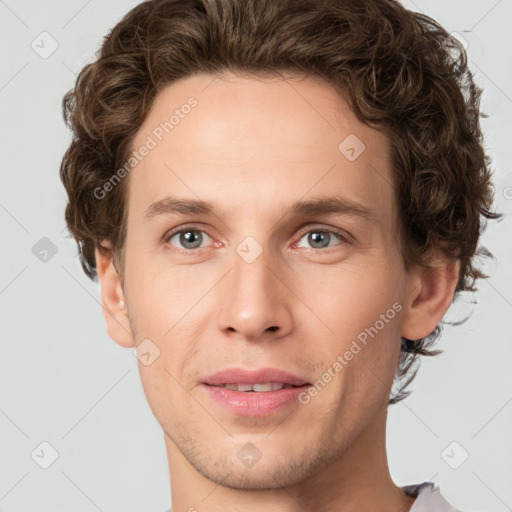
(396, 69)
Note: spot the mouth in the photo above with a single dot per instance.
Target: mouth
(254, 393)
(258, 388)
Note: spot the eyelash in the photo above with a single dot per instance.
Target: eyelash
(345, 239)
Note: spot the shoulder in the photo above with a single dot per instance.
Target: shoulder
(428, 498)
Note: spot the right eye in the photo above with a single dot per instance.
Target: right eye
(187, 240)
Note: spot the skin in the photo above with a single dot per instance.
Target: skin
(253, 146)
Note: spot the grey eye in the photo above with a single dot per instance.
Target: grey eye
(189, 238)
(319, 239)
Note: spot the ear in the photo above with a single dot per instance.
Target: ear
(430, 294)
(113, 302)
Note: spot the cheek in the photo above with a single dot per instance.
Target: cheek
(161, 311)
(351, 298)
(361, 306)
(160, 295)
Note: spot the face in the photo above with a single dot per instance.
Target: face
(293, 268)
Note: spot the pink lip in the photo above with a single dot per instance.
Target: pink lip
(260, 376)
(252, 403)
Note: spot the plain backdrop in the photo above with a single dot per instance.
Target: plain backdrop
(65, 384)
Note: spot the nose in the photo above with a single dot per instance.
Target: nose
(255, 302)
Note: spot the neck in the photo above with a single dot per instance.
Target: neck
(357, 479)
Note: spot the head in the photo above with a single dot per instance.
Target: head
(247, 108)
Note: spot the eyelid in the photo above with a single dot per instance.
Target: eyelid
(346, 237)
(183, 227)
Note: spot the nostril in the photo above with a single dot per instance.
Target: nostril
(273, 328)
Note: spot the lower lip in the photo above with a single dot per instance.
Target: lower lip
(254, 404)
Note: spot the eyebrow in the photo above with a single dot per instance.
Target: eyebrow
(310, 207)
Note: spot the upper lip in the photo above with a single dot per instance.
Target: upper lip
(259, 376)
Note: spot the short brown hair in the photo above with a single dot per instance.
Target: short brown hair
(397, 69)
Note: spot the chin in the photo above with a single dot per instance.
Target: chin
(273, 477)
(273, 471)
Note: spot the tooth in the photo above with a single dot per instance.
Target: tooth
(262, 387)
(244, 387)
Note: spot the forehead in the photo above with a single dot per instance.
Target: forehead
(254, 143)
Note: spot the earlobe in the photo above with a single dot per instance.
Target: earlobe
(431, 292)
(112, 298)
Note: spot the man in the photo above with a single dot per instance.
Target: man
(280, 199)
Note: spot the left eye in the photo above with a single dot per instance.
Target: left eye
(320, 239)
(189, 238)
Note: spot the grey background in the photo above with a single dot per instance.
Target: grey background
(64, 382)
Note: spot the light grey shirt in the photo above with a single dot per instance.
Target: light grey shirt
(428, 498)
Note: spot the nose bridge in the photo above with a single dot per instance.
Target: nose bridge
(253, 297)
(252, 270)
